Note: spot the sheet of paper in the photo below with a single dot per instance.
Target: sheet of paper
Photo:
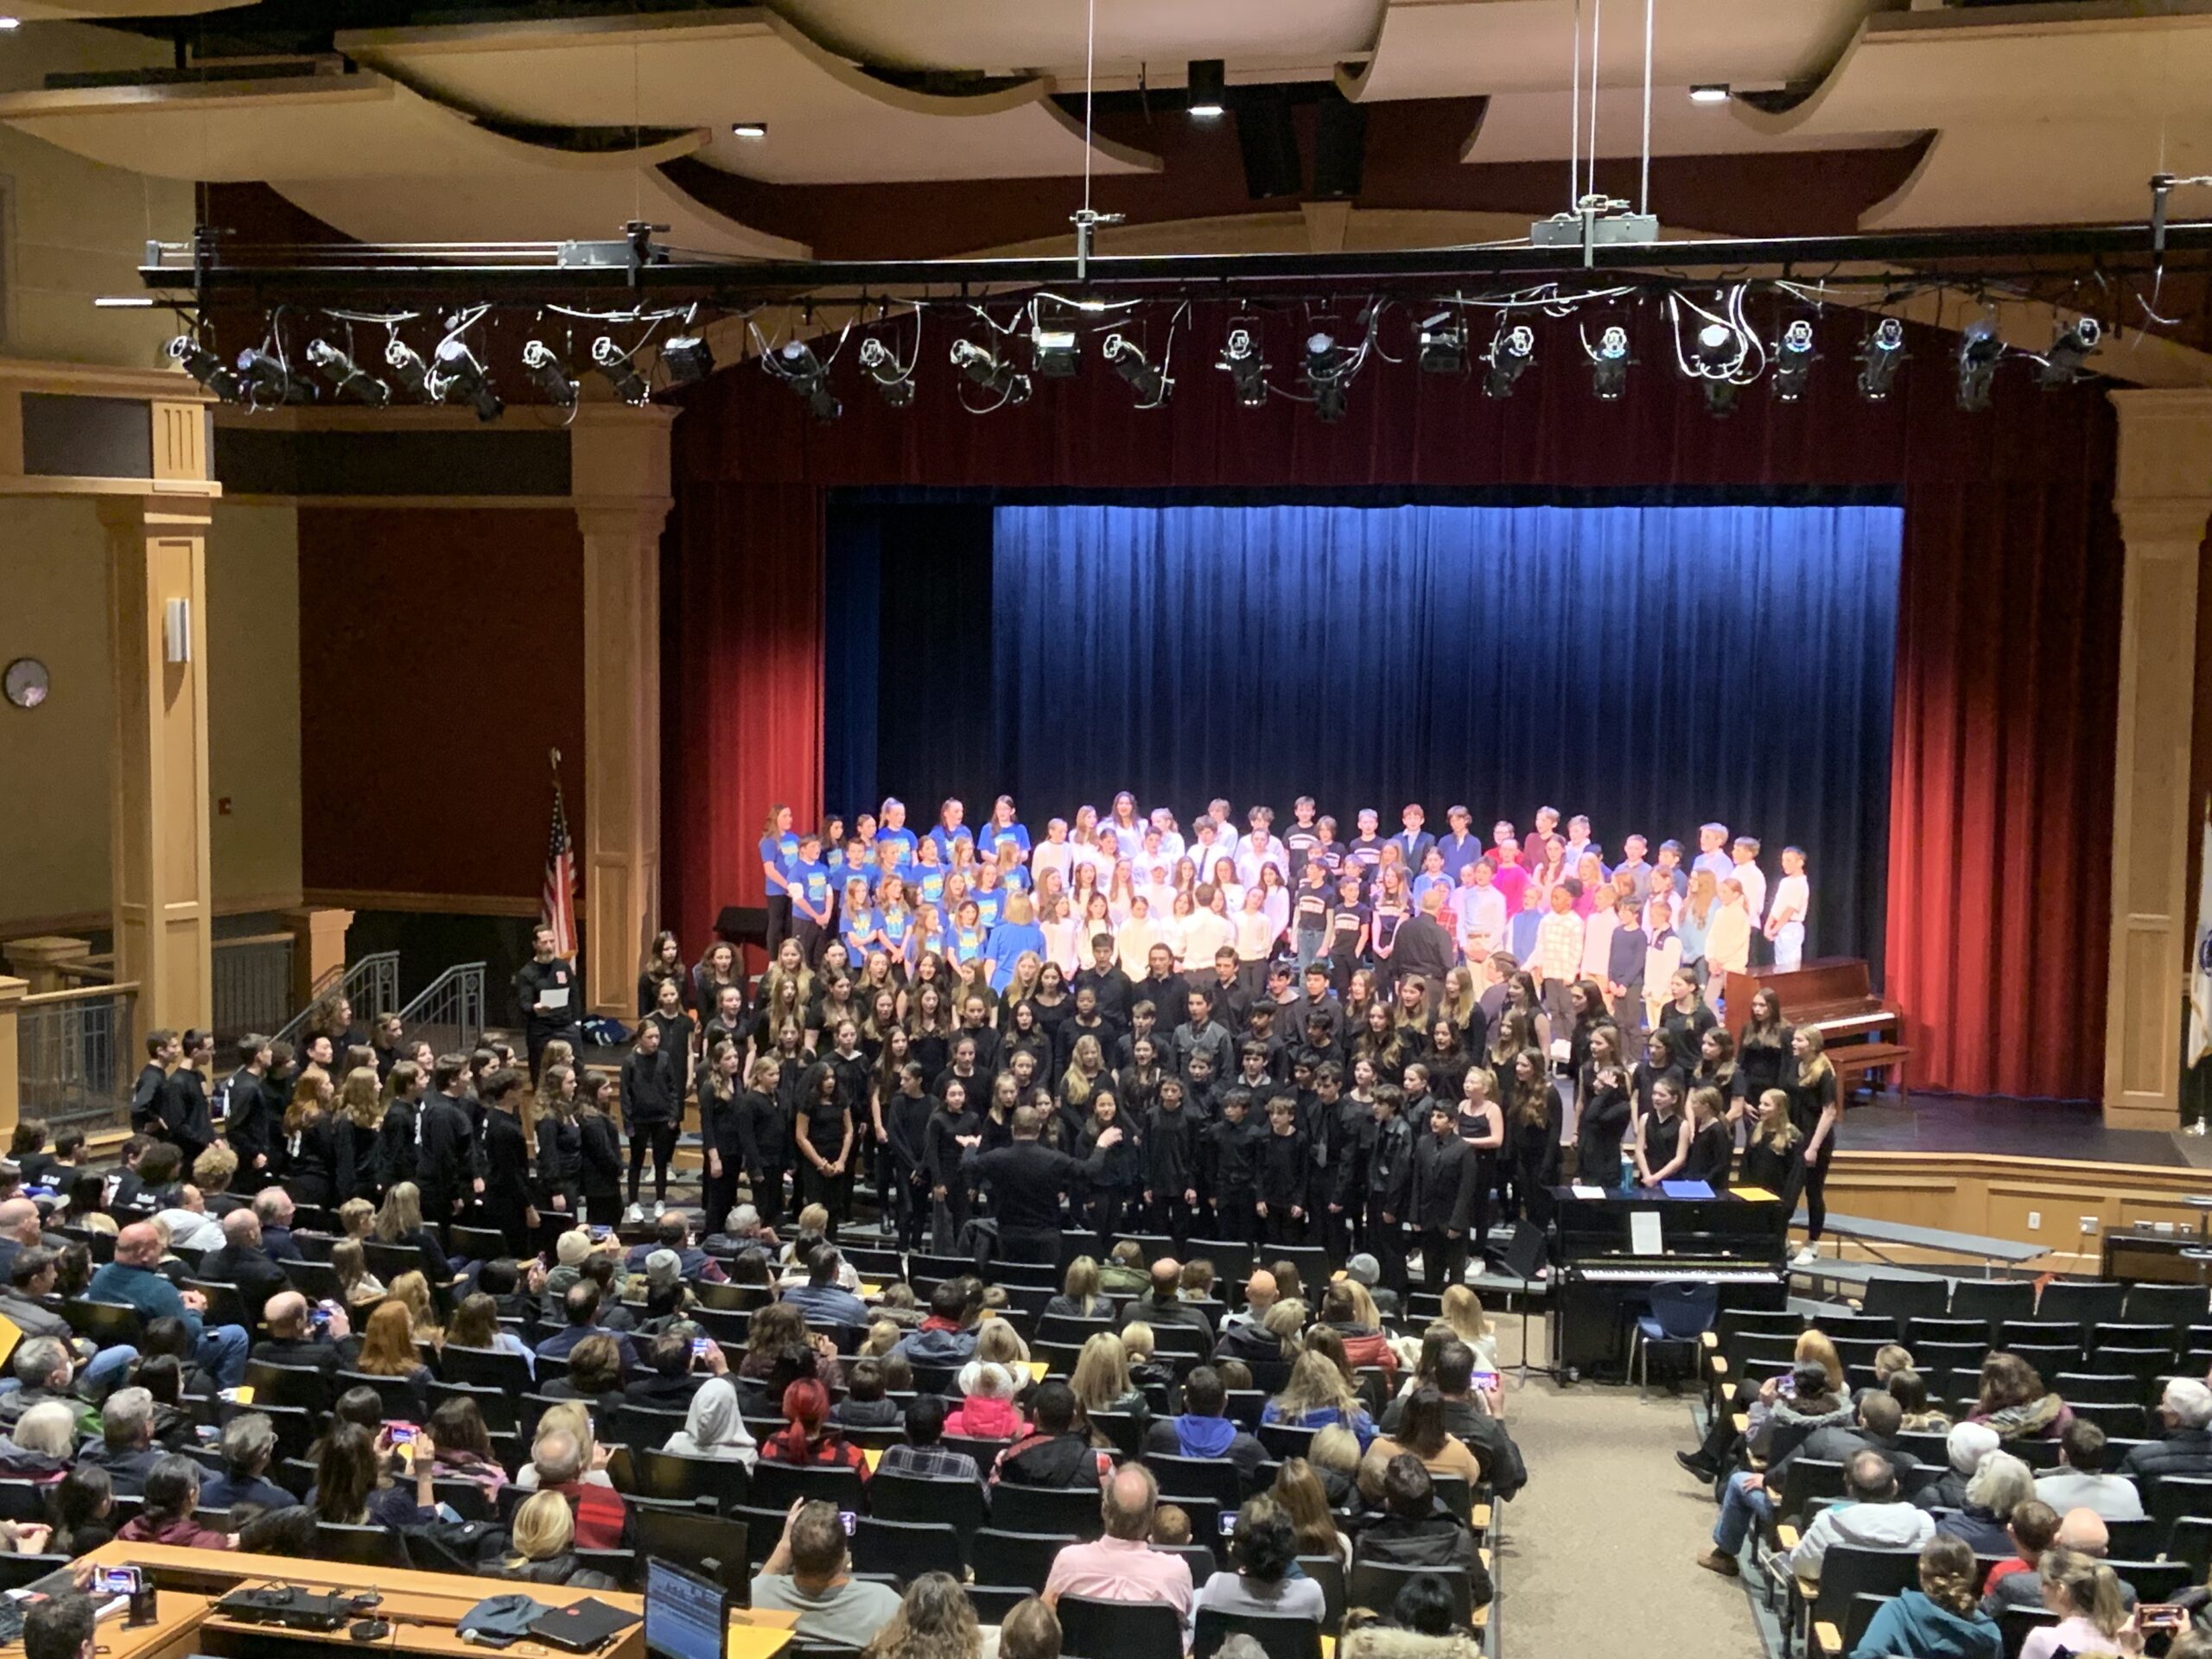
(1755, 1194)
(553, 997)
(1581, 1192)
(1643, 1234)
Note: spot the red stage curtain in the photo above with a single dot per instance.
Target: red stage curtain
(2001, 782)
(740, 689)
(2001, 785)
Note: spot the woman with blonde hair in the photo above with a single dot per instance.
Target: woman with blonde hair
(1101, 1377)
(357, 1218)
(412, 1292)
(1334, 1455)
(1463, 1312)
(541, 1546)
(998, 1341)
(312, 1172)
(1318, 1395)
(1728, 942)
(2092, 1618)
(400, 1222)
(356, 1123)
(935, 1620)
(1080, 1297)
(1299, 1488)
(1086, 1067)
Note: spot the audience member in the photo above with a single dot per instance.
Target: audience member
(126, 1448)
(1264, 1548)
(1871, 1517)
(810, 1439)
(541, 1547)
(1964, 1448)
(133, 1277)
(987, 1409)
(809, 1574)
(935, 1620)
(1939, 1620)
(1122, 1566)
(2185, 1445)
(1203, 1429)
(714, 1426)
(2080, 1482)
(248, 1447)
(172, 1489)
(920, 1456)
(1055, 1453)
(2015, 1403)
(2013, 1581)
(2086, 1597)
(1999, 1484)
(1416, 1530)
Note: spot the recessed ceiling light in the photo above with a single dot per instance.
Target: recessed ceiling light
(1709, 95)
(124, 301)
(748, 129)
(10, 22)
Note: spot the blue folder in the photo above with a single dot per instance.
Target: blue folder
(1686, 1189)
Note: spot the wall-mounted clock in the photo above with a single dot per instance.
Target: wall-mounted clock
(26, 683)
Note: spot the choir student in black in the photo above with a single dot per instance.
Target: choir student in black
(1608, 1111)
(252, 1115)
(560, 1143)
(954, 1129)
(1116, 1187)
(1285, 1175)
(1712, 1139)
(1228, 1165)
(825, 1131)
(1533, 1116)
(1443, 1198)
(1816, 1107)
(508, 1200)
(601, 1176)
(1171, 1156)
(906, 1124)
(649, 1112)
(1388, 1170)
(721, 1146)
(764, 1135)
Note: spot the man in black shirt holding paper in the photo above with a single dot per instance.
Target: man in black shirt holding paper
(551, 997)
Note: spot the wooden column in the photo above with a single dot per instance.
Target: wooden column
(2163, 496)
(43, 961)
(157, 558)
(618, 467)
(318, 945)
(12, 991)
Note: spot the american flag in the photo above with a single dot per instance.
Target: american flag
(559, 902)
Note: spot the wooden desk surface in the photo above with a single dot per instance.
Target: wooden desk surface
(423, 1608)
(177, 1617)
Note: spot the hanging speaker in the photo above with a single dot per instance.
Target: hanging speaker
(1339, 147)
(1269, 142)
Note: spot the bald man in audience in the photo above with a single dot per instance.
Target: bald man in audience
(19, 1230)
(1164, 1305)
(295, 1339)
(1260, 1293)
(135, 1278)
(2082, 1531)
(1122, 1565)
(243, 1262)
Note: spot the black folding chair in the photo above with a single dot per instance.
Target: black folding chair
(1279, 1638)
(1118, 1629)
(1017, 1558)
(1071, 1511)
(907, 1549)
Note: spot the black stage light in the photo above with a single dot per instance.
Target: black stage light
(688, 360)
(1204, 96)
(802, 371)
(1326, 369)
(267, 381)
(1609, 364)
(1879, 359)
(1443, 344)
(1717, 349)
(209, 370)
(552, 375)
(408, 368)
(612, 361)
(880, 363)
(1511, 350)
(461, 379)
(1246, 368)
(1151, 387)
(1794, 357)
(984, 367)
(347, 377)
(1979, 348)
(2063, 365)
(1054, 354)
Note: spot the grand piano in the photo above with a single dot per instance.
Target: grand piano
(1734, 1243)
(1834, 996)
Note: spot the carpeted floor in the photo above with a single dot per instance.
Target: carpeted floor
(1598, 1551)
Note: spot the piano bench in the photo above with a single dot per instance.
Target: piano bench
(1853, 1061)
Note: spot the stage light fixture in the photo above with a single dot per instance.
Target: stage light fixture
(985, 367)
(1443, 345)
(267, 381)
(1979, 348)
(1879, 359)
(1151, 387)
(209, 370)
(1053, 352)
(1609, 364)
(1326, 369)
(688, 359)
(797, 367)
(461, 378)
(1206, 77)
(347, 378)
(2063, 365)
(880, 363)
(1794, 357)
(1717, 350)
(408, 368)
(552, 375)
(621, 373)
(1246, 368)
(1511, 350)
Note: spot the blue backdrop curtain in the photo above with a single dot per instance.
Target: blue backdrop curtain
(1653, 666)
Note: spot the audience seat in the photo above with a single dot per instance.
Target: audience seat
(1279, 1638)
(958, 1504)
(671, 1475)
(22, 1500)
(1906, 1298)
(1073, 1511)
(1214, 1478)
(1118, 1629)
(2081, 1301)
(1022, 1558)
(779, 1486)
(369, 1545)
(490, 1368)
(621, 1565)
(1328, 1571)
(401, 1402)
(2178, 1306)
(495, 1406)
(1993, 1299)
(21, 1572)
(1287, 1439)
(317, 1281)
(476, 1243)
(993, 1602)
(907, 1549)
(1376, 1586)
(106, 1324)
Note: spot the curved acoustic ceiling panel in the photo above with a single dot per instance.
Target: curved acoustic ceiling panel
(50, 11)
(1450, 48)
(1014, 35)
(377, 162)
(2057, 116)
(1533, 127)
(827, 121)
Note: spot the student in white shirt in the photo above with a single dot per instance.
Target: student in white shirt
(1745, 853)
(1479, 905)
(1785, 917)
(1057, 853)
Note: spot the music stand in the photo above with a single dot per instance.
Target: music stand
(1524, 1254)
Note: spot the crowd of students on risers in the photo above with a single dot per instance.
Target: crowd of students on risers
(123, 1438)
(1992, 1533)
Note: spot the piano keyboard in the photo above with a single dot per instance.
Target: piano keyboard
(1854, 1025)
(1652, 1275)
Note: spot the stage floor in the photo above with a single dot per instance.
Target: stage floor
(2072, 1131)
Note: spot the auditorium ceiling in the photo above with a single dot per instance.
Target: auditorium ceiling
(854, 128)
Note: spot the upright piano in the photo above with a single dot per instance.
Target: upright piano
(1736, 1244)
(1835, 996)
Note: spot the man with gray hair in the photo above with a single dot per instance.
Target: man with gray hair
(126, 1450)
(19, 1230)
(45, 1369)
(557, 1462)
(2185, 1448)
(1874, 1518)
(249, 1446)
(273, 1206)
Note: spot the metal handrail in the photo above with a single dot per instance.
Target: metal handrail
(81, 994)
(380, 969)
(453, 1002)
